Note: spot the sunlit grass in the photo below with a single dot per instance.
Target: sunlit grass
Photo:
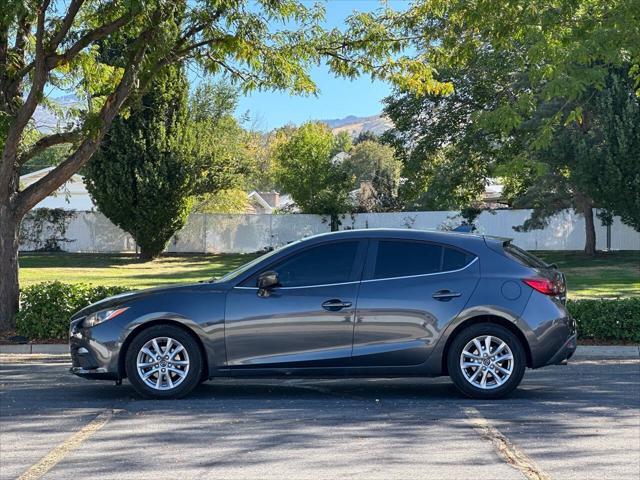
(124, 270)
(607, 275)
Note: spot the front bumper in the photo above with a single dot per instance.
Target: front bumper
(99, 373)
(94, 354)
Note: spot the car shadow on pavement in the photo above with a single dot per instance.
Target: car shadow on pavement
(258, 421)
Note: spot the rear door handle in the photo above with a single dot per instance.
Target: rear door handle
(445, 295)
(335, 304)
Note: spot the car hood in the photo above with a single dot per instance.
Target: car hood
(130, 297)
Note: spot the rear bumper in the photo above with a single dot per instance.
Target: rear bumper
(551, 331)
(565, 352)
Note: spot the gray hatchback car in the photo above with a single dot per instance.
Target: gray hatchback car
(384, 303)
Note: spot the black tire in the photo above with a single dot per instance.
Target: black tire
(193, 375)
(466, 336)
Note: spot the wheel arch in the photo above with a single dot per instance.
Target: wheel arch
(495, 319)
(152, 323)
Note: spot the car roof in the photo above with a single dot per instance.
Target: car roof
(451, 238)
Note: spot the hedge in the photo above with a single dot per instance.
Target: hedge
(606, 320)
(46, 308)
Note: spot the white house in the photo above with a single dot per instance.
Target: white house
(268, 202)
(72, 195)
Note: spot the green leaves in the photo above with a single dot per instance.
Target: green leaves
(142, 177)
(45, 308)
(607, 320)
(304, 169)
(550, 49)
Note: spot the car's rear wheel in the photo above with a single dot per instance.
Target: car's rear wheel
(164, 361)
(486, 361)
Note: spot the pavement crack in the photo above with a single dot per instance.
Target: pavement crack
(512, 455)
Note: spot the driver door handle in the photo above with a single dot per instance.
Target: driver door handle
(335, 304)
(445, 295)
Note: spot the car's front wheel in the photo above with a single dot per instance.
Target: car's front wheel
(164, 361)
(486, 361)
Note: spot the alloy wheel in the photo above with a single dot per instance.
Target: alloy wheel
(162, 363)
(486, 362)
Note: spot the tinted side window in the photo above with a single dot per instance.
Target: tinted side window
(399, 259)
(324, 264)
(454, 259)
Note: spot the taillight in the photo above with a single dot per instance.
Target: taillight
(546, 286)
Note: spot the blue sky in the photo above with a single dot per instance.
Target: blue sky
(338, 97)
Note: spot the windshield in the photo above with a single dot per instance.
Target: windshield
(240, 270)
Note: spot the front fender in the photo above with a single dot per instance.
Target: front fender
(212, 340)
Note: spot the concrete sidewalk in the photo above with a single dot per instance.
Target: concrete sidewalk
(584, 351)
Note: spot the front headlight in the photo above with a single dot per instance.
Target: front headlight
(102, 316)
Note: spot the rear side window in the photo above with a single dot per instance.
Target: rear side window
(454, 259)
(397, 258)
(524, 257)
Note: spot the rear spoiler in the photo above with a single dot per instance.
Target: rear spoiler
(503, 241)
(465, 228)
(498, 243)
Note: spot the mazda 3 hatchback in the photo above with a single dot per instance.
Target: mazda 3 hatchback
(388, 303)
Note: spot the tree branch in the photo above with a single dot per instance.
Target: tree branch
(45, 142)
(13, 82)
(67, 22)
(39, 190)
(14, 135)
(173, 57)
(90, 37)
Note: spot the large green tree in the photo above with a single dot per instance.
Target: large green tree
(223, 154)
(447, 154)
(376, 172)
(591, 162)
(534, 67)
(140, 177)
(305, 169)
(261, 44)
(220, 151)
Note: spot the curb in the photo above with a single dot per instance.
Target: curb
(56, 348)
(584, 351)
(607, 351)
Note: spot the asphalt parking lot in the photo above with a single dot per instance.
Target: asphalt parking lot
(580, 421)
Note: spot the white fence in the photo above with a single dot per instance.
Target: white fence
(217, 233)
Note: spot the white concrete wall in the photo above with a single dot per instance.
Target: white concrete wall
(564, 232)
(218, 233)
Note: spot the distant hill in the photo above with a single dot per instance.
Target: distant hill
(47, 121)
(377, 124)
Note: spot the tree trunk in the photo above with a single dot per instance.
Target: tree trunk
(590, 230)
(335, 222)
(9, 290)
(146, 255)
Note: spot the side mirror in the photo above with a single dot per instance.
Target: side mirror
(266, 281)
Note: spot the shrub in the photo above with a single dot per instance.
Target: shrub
(607, 320)
(45, 308)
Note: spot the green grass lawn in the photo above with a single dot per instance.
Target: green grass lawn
(614, 274)
(607, 275)
(124, 269)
